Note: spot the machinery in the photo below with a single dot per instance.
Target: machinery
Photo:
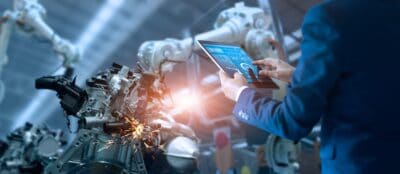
(122, 118)
(27, 16)
(28, 149)
(246, 26)
(282, 155)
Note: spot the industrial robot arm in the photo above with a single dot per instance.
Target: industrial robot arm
(28, 15)
(247, 26)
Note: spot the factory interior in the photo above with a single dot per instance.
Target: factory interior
(122, 86)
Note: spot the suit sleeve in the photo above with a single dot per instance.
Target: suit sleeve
(312, 81)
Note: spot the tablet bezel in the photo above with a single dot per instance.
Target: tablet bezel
(201, 42)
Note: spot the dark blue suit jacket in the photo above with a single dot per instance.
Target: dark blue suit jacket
(348, 77)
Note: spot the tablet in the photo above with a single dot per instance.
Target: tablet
(231, 59)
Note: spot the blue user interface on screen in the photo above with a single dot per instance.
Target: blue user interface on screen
(232, 59)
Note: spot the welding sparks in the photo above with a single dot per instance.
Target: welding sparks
(138, 131)
(136, 128)
(151, 126)
(108, 144)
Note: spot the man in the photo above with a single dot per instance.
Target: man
(347, 77)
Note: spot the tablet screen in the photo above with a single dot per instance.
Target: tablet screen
(231, 59)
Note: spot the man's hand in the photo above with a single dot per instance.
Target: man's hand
(230, 86)
(275, 68)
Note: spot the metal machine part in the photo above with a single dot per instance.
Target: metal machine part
(72, 97)
(95, 152)
(124, 107)
(30, 148)
(121, 118)
(247, 26)
(182, 153)
(3, 147)
(282, 155)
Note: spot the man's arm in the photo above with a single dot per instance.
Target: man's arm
(312, 81)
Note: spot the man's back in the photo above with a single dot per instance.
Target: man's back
(348, 77)
(361, 131)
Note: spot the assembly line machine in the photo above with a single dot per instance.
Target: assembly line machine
(122, 116)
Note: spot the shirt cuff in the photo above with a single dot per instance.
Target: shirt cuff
(239, 92)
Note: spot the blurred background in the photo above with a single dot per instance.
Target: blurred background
(111, 31)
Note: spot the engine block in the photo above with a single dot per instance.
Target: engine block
(122, 118)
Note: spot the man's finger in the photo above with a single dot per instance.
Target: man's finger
(252, 75)
(237, 75)
(273, 74)
(266, 61)
(264, 72)
(259, 62)
(223, 75)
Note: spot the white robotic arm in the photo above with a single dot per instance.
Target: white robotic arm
(247, 26)
(28, 16)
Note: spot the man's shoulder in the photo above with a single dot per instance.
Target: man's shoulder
(333, 13)
(329, 9)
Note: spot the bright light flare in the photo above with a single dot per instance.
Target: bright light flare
(185, 100)
(188, 101)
